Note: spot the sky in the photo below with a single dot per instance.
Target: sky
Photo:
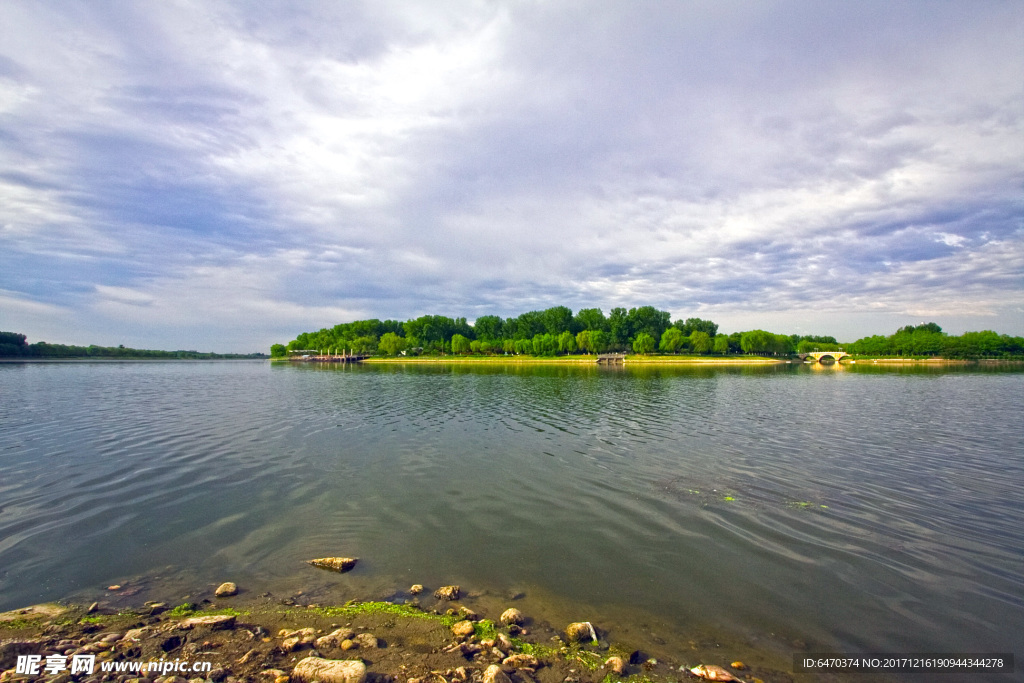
(221, 176)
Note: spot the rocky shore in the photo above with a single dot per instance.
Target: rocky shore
(272, 641)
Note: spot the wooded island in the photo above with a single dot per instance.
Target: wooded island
(557, 331)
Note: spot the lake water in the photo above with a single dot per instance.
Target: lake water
(759, 511)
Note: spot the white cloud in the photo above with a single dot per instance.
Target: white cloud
(208, 166)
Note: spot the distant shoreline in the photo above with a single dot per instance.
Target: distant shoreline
(122, 359)
(577, 360)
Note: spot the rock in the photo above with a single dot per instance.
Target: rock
(349, 644)
(616, 665)
(296, 640)
(467, 613)
(226, 589)
(416, 589)
(520, 661)
(739, 666)
(329, 671)
(711, 672)
(367, 641)
(216, 621)
(503, 642)
(580, 631)
(512, 616)
(463, 629)
(494, 674)
(335, 564)
(335, 638)
(448, 593)
(92, 608)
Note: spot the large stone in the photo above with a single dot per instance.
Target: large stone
(335, 564)
(512, 616)
(367, 641)
(494, 674)
(448, 593)
(616, 665)
(226, 589)
(214, 621)
(463, 629)
(329, 671)
(580, 631)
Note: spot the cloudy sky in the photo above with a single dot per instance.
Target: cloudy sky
(221, 175)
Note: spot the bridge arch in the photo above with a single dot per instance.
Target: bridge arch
(836, 356)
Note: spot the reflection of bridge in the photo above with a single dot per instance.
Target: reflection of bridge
(819, 355)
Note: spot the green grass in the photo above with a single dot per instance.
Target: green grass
(485, 629)
(354, 608)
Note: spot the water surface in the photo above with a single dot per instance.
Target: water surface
(777, 509)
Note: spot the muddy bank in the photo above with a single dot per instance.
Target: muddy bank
(429, 637)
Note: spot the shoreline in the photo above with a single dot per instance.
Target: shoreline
(425, 638)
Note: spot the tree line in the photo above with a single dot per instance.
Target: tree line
(550, 332)
(645, 329)
(15, 345)
(928, 339)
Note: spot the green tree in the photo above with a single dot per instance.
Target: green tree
(557, 319)
(545, 345)
(722, 344)
(459, 344)
(700, 342)
(691, 325)
(583, 341)
(671, 340)
(643, 343)
(618, 327)
(365, 344)
(276, 351)
(391, 344)
(591, 319)
(649, 320)
(566, 342)
(488, 327)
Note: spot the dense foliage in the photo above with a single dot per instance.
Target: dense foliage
(929, 340)
(556, 331)
(15, 345)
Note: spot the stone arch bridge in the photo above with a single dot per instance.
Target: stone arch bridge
(819, 355)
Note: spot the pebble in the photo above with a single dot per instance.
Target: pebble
(416, 589)
(448, 593)
(520, 661)
(494, 674)
(512, 616)
(739, 666)
(226, 589)
(335, 638)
